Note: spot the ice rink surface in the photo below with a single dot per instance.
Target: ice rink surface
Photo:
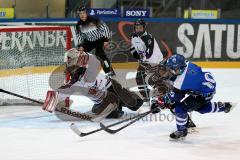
(28, 133)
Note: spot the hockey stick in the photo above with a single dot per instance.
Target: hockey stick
(106, 128)
(111, 131)
(20, 96)
(63, 110)
(145, 86)
(82, 134)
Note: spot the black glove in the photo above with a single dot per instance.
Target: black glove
(155, 108)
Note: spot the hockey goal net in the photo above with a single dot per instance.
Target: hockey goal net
(28, 56)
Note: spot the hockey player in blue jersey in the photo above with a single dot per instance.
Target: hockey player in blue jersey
(193, 90)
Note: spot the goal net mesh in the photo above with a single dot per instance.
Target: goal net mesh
(28, 56)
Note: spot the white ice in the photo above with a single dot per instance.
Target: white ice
(28, 133)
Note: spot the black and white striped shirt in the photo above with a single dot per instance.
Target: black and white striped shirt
(92, 30)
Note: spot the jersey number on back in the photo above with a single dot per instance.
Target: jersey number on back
(210, 82)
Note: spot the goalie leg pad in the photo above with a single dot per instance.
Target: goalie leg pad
(108, 105)
(111, 98)
(129, 99)
(50, 101)
(139, 102)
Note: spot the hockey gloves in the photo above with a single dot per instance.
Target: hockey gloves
(162, 103)
(156, 105)
(155, 108)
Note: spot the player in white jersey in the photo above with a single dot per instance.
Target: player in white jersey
(146, 49)
(107, 94)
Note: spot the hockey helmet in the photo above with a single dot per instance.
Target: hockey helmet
(71, 57)
(140, 22)
(176, 62)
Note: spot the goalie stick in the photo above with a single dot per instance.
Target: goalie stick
(20, 96)
(76, 115)
(75, 129)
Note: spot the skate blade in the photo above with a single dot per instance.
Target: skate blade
(177, 140)
(233, 106)
(192, 130)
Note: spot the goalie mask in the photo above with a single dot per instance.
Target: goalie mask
(76, 63)
(71, 57)
(74, 57)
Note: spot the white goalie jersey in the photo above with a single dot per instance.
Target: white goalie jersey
(90, 82)
(96, 91)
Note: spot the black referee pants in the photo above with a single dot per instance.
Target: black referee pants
(98, 45)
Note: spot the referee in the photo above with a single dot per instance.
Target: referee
(93, 33)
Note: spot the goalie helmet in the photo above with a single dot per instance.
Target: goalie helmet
(71, 57)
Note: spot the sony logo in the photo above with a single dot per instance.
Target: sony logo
(136, 13)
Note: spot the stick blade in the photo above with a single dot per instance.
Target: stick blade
(75, 129)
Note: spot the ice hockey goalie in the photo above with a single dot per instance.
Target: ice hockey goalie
(86, 80)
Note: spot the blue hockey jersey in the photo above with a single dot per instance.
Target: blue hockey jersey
(194, 80)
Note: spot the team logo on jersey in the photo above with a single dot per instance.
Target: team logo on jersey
(149, 41)
(93, 89)
(171, 94)
(174, 60)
